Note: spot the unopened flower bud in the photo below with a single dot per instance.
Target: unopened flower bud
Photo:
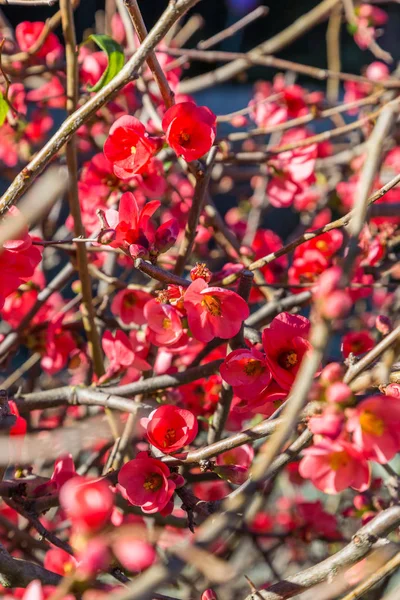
(106, 237)
(336, 305)
(209, 595)
(383, 324)
(331, 373)
(166, 235)
(339, 393)
(393, 389)
(201, 271)
(95, 558)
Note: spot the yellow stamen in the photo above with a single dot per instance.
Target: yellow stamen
(212, 304)
(288, 359)
(338, 460)
(153, 482)
(371, 423)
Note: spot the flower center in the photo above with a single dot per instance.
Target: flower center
(184, 138)
(212, 304)
(169, 438)
(153, 482)
(133, 149)
(254, 367)
(321, 245)
(129, 301)
(370, 423)
(338, 460)
(166, 323)
(288, 359)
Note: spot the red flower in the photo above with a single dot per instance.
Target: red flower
(87, 502)
(18, 261)
(189, 129)
(128, 305)
(121, 354)
(132, 229)
(357, 342)
(170, 428)
(128, 147)
(27, 33)
(20, 425)
(285, 343)
(247, 371)
(145, 482)
(213, 311)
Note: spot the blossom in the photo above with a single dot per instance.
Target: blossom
(121, 354)
(285, 343)
(94, 557)
(332, 301)
(145, 482)
(357, 342)
(18, 260)
(128, 147)
(213, 311)
(170, 428)
(233, 465)
(59, 561)
(27, 33)
(375, 425)
(189, 129)
(307, 268)
(134, 554)
(128, 305)
(87, 502)
(20, 425)
(58, 346)
(292, 170)
(247, 371)
(165, 324)
(209, 594)
(133, 230)
(51, 94)
(339, 393)
(334, 465)
(329, 423)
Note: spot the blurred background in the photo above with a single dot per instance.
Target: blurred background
(218, 14)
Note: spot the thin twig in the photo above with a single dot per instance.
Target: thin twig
(159, 76)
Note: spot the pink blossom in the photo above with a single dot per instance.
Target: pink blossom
(165, 325)
(375, 425)
(213, 311)
(339, 393)
(329, 423)
(87, 502)
(334, 466)
(120, 353)
(134, 554)
(129, 306)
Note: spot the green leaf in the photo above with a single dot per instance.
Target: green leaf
(116, 59)
(4, 108)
